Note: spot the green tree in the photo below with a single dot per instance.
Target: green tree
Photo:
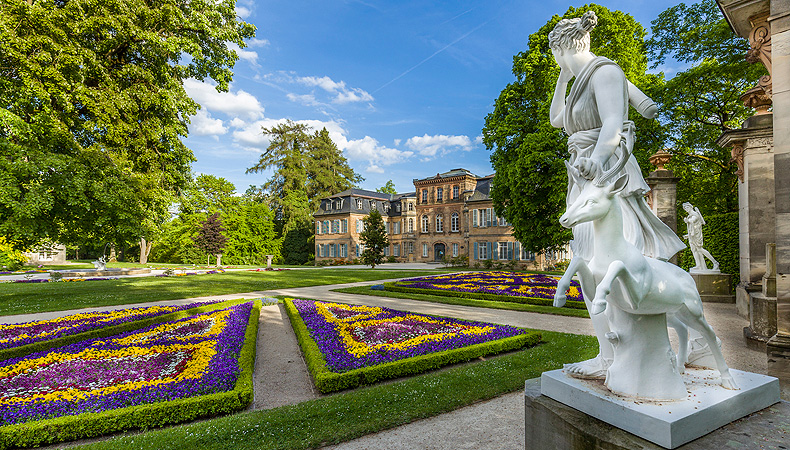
(210, 237)
(251, 234)
(702, 101)
(374, 236)
(388, 188)
(93, 110)
(528, 153)
(208, 194)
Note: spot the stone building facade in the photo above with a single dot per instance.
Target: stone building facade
(449, 215)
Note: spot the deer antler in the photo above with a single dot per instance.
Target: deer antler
(574, 173)
(626, 144)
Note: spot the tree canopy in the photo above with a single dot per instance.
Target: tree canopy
(528, 153)
(388, 188)
(94, 110)
(702, 101)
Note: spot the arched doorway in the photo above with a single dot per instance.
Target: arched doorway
(438, 252)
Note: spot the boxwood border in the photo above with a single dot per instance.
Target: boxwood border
(146, 416)
(98, 333)
(393, 286)
(327, 381)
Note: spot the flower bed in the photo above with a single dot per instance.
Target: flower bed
(18, 334)
(179, 359)
(169, 373)
(502, 286)
(346, 346)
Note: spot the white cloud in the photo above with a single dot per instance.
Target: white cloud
(343, 94)
(240, 103)
(430, 146)
(247, 55)
(243, 12)
(375, 169)
(368, 149)
(306, 99)
(255, 42)
(202, 124)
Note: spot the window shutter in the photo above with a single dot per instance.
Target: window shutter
(517, 251)
(488, 250)
(509, 250)
(477, 254)
(496, 250)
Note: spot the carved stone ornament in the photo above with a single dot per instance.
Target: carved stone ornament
(760, 51)
(757, 98)
(737, 158)
(660, 158)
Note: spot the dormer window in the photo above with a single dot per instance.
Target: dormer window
(359, 203)
(372, 204)
(397, 207)
(386, 207)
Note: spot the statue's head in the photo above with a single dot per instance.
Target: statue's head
(687, 206)
(573, 34)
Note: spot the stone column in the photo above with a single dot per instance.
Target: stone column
(779, 345)
(752, 150)
(663, 192)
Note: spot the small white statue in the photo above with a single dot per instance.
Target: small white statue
(620, 247)
(101, 263)
(694, 223)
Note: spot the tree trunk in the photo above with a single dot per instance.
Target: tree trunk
(145, 250)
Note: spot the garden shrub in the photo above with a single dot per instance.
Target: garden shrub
(10, 259)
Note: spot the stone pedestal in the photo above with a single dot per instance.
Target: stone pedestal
(269, 261)
(714, 287)
(598, 420)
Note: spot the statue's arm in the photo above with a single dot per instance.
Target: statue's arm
(609, 86)
(557, 110)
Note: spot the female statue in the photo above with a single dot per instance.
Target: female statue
(694, 223)
(595, 116)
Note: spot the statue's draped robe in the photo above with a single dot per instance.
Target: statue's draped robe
(583, 124)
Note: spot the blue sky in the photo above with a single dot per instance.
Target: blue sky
(402, 86)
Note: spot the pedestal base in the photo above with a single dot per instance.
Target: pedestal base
(714, 287)
(668, 424)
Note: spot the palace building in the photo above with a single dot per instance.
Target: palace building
(449, 215)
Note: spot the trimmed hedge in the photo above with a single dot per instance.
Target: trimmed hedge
(326, 381)
(720, 234)
(41, 346)
(69, 428)
(393, 286)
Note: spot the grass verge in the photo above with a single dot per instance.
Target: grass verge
(69, 428)
(353, 414)
(366, 290)
(327, 381)
(26, 298)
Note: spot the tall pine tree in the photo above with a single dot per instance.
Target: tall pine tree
(374, 236)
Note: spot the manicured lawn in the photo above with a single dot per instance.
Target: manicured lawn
(366, 290)
(349, 415)
(25, 298)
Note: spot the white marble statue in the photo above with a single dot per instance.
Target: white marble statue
(101, 263)
(694, 223)
(620, 248)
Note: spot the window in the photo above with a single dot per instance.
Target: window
(454, 222)
(503, 250)
(488, 212)
(358, 254)
(424, 223)
(320, 250)
(482, 250)
(386, 251)
(387, 227)
(326, 226)
(396, 228)
(397, 207)
(359, 203)
(344, 226)
(439, 194)
(455, 250)
(344, 250)
(456, 191)
(318, 228)
(331, 250)
(424, 250)
(336, 226)
(359, 225)
(411, 206)
(396, 250)
(411, 224)
(372, 204)
(425, 195)
(411, 247)
(493, 218)
(439, 223)
(386, 207)
(475, 214)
